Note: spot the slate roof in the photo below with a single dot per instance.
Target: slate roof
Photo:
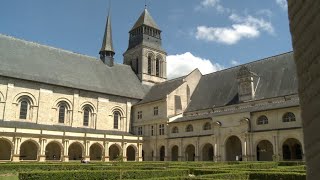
(145, 19)
(31, 61)
(160, 91)
(28, 125)
(277, 78)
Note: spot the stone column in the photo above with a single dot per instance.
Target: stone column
(66, 150)
(42, 156)
(139, 152)
(106, 151)
(180, 156)
(87, 151)
(124, 151)
(197, 155)
(16, 154)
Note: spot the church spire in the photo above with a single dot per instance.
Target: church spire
(107, 51)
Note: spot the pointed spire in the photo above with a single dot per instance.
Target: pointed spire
(145, 19)
(107, 51)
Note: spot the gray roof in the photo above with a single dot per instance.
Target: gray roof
(161, 90)
(30, 61)
(107, 44)
(277, 78)
(145, 19)
(28, 125)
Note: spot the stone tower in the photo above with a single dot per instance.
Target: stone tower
(107, 51)
(145, 54)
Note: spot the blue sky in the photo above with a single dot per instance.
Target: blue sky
(208, 34)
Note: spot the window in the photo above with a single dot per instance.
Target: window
(86, 114)
(161, 129)
(157, 67)
(262, 120)
(288, 117)
(207, 126)
(139, 114)
(62, 113)
(189, 128)
(139, 130)
(152, 130)
(24, 105)
(149, 65)
(175, 130)
(116, 118)
(156, 111)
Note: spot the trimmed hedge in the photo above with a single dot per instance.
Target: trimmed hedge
(97, 175)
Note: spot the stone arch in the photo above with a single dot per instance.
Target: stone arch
(131, 153)
(53, 151)
(162, 153)
(31, 98)
(114, 152)
(75, 151)
(207, 152)
(60, 100)
(119, 109)
(190, 152)
(233, 148)
(264, 150)
(29, 150)
(6, 148)
(175, 153)
(90, 105)
(95, 152)
(292, 149)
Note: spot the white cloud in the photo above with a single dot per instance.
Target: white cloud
(234, 63)
(283, 4)
(205, 4)
(243, 27)
(182, 64)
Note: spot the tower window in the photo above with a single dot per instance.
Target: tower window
(157, 67)
(149, 65)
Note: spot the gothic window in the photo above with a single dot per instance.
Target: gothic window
(86, 116)
(149, 65)
(24, 106)
(156, 111)
(161, 129)
(157, 67)
(116, 119)
(175, 130)
(189, 128)
(62, 113)
(262, 120)
(288, 117)
(207, 126)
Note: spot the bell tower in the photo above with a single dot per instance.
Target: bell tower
(145, 54)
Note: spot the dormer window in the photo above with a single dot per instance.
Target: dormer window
(247, 81)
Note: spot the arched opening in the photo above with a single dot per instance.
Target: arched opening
(162, 153)
(131, 153)
(53, 151)
(28, 151)
(264, 151)
(114, 152)
(190, 153)
(207, 152)
(174, 153)
(292, 150)
(116, 119)
(75, 151)
(95, 152)
(149, 65)
(5, 150)
(233, 149)
(157, 67)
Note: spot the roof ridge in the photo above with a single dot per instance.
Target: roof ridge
(46, 46)
(251, 62)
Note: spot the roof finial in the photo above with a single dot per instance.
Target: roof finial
(145, 4)
(109, 7)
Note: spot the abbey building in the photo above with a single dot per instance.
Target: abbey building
(57, 105)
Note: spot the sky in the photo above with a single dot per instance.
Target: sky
(210, 35)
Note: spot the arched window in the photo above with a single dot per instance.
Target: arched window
(288, 117)
(24, 106)
(175, 130)
(62, 112)
(262, 120)
(86, 116)
(116, 118)
(189, 128)
(207, 126)
(149, 65)
(157, 67)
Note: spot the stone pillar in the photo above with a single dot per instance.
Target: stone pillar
(16, 154)
(124, 151)
(87, 151)
(66, 150)
(42, 155)
(106, 151)
(180, 157)
(196, 151)
(139, 152)
(245, 154)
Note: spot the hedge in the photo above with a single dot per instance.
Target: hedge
(95, 175)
